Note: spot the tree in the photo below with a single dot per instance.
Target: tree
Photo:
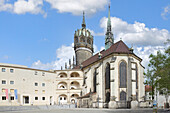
(164, 81)
(158, 74)
(155, 65)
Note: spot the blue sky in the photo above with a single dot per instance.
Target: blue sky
(39, 33)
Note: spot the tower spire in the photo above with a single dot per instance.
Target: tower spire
(109, 35)
(108, 21)
(83, 23)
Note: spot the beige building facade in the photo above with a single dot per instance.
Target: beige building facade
(38, 87)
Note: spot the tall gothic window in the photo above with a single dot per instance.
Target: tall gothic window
(94, 80)
(123, 75)
(136, 77)
(107, 77)
(123, 95)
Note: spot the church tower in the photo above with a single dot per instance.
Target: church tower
(83, 43)
(109, 35)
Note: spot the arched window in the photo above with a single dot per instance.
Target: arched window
(123, 75)
(107, 77)
(76, 40)
(88, 41)
(123, 95)
(94, 80)
(82, 39)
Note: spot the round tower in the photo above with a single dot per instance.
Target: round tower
(83, 43)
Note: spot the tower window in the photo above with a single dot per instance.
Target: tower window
(82, 39)
(76, 40)
(88, 41)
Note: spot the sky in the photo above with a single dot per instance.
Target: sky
(40, 33)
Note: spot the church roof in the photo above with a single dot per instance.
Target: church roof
(118, 47)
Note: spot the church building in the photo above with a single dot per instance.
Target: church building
(112, 78)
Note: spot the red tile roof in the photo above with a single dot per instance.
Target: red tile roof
(148, 88)
(118, 47)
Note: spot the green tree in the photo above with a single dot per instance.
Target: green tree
(164, 74)
(158, 74)
(155, 65)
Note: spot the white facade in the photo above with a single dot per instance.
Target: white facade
(38, 87)
(133, 65)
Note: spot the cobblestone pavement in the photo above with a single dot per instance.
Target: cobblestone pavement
(90, 111)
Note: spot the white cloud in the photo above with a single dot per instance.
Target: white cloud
(31, 6)
(146, 40)
(136, 33)
(96, 34)
(63, 55)
(144, 53)
(5, 6)
(165, 12)
(77, 6)
(23, 6)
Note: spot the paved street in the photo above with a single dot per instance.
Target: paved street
(89, 111)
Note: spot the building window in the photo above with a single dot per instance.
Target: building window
(11, 70)
(36, 91)
(12, 97)
(43, 98)
(3, 90)
(3, 69)
(3, 97)
(36, 73)
(36, 84)
(123, 95)
(43, 91)
(43, 84)
(94, 80)
(123, 75)
(12, 90)
(89, 41)
(3, 81)
(36, 98)
(64, 98)
(107, 77)
(60, 98)
(43, 74)
(11, 82)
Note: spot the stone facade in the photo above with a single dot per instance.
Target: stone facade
(133, 93)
